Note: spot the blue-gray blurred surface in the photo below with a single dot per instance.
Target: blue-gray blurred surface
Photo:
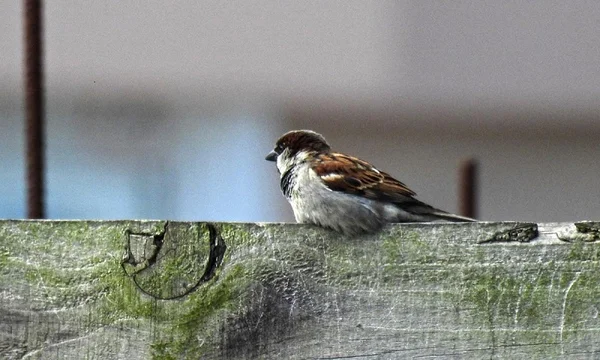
(166, 110)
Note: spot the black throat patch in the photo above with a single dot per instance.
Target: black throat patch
(286, 182)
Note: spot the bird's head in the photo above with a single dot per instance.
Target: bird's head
(296, 146)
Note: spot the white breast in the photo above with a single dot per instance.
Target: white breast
(313, 202)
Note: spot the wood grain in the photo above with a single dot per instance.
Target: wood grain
(177, 290)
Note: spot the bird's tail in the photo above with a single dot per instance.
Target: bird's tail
(429, 213)
(442, 215)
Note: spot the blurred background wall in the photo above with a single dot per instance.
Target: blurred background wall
(166, 110)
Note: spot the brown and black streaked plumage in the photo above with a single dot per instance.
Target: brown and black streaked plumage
(342, 192)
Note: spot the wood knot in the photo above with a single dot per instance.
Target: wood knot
(173, 262)
(520, 233)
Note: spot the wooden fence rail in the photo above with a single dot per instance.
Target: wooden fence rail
(189, 290)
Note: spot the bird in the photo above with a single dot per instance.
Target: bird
(341, 192)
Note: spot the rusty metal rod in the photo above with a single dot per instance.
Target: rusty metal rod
(34, 108)
(468, 188)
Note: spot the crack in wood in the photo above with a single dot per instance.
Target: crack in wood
(458, 352)
(217, 251)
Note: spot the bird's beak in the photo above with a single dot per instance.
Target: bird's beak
(272, 156)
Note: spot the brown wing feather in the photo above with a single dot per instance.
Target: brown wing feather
(343, 173)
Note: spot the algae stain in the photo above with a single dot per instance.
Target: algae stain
(196, 319)
(580, 300)
(241, 235)
(582, 251)
(533, 301)
(406, 245)
(403, 253)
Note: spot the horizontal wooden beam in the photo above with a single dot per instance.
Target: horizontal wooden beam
(186, 290)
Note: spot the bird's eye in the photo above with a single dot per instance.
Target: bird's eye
(279, 148)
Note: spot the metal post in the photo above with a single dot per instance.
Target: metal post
(468, 188)
(34, 108)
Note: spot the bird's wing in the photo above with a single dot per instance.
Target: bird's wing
(344, 173)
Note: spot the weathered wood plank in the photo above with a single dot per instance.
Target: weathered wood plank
(155, 289)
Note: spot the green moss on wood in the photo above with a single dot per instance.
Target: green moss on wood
(275, 279)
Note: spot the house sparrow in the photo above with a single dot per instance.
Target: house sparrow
(342, 192)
